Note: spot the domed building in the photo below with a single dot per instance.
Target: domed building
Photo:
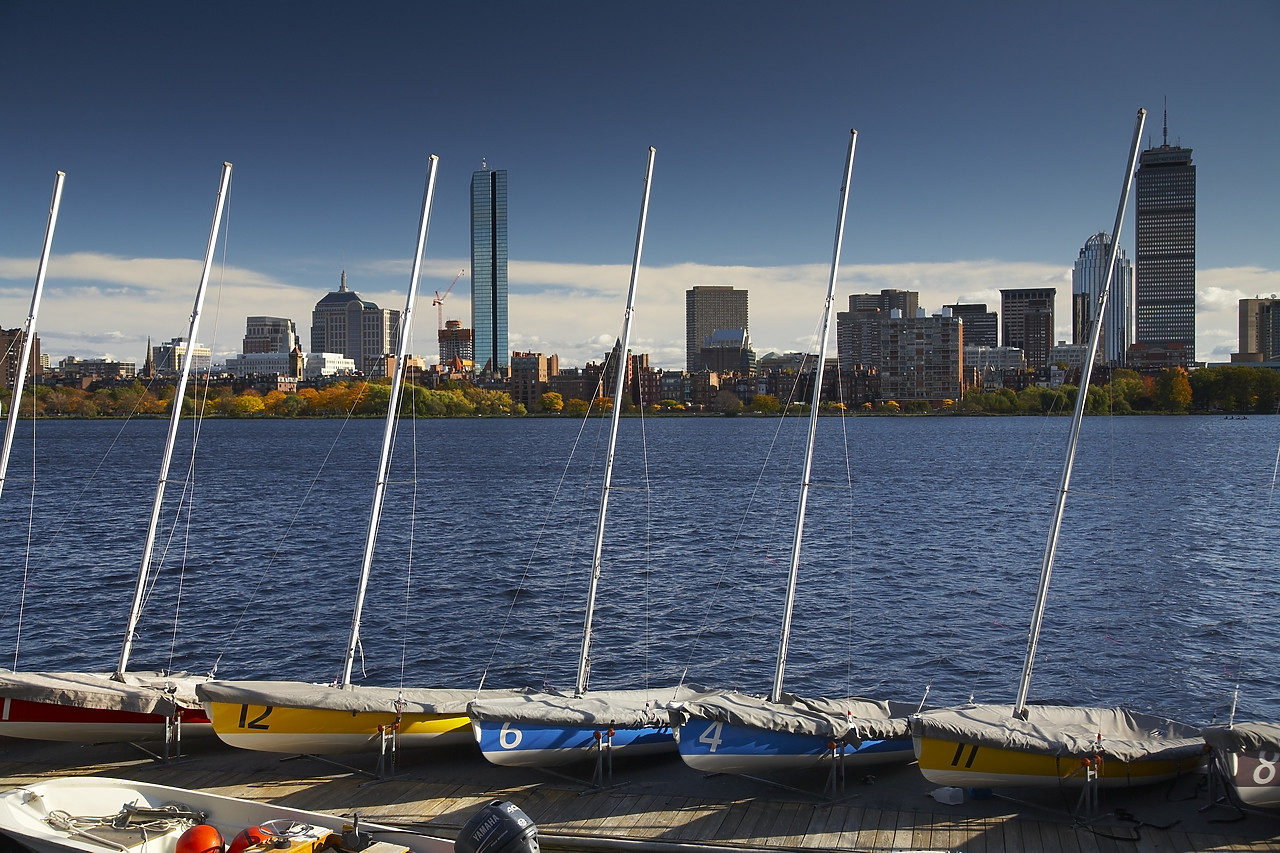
(344, 323)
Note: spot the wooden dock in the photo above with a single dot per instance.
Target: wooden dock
(661, 806)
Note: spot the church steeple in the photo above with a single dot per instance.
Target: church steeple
(149, 363)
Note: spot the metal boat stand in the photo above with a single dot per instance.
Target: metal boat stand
(388, 749)
(1087, 803)
(602, 769)
(833, 791)
(172, 742)
(1220, 793)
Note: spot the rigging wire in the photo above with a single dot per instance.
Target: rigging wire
(775, 517)
(31, 512)
(186, 499)
(409, 391)
(352, 402)
(562, 484)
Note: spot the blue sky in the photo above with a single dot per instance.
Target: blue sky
(992, 139)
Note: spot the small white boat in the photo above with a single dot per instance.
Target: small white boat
(95, 814)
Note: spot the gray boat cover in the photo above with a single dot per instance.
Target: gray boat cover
(853, 719)
(136, 692)
(353, 698)
(1243, 737)
(1064, 731)
(622, 708)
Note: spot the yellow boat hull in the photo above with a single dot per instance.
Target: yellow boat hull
(967, 765)
(276, 728)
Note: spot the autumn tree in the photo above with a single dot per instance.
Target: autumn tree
(552, 401)
(1173, 390)
(766, 404)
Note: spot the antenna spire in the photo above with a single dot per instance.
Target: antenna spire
(1166, 121)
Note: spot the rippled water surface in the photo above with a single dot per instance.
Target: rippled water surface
(922, 546)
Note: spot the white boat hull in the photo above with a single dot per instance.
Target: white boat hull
(24, 814)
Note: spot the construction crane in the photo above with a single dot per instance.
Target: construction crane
(439, 300)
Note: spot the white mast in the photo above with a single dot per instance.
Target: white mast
(175, 415)
(1095, 332)
(622, 367)
(397, 381)
(29, 330)
(785, 638)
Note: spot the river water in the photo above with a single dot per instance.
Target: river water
(922, 547)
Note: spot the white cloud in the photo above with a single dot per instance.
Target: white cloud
(98, 304)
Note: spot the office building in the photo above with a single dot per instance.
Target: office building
(921, 357)
(989, 366)
(11, 343)
(889, 299)
(1165, 248)
(168, 356)
(707, 308)
(1026, 319)
(729, 351)
(489, 269)
(1088, 277)
(96, 369)
(344, 324)
(981, 327)
(291, 364)
(858, 329)
(269, 334)
(531, 374)
(457, 348)
(1259, 330)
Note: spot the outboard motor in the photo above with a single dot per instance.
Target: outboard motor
(499, 827)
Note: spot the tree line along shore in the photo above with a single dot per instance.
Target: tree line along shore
(1226, 389)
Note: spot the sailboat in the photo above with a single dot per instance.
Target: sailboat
(292, 716)
(542, 728)
(124, 705)
(1029, 745)
(739, 733)
(1247, 756)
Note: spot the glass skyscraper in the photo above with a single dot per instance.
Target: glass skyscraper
(1087, 278)
(1165, 247)
(489, 268)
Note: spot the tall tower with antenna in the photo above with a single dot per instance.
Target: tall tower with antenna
(1165, 250)
(489, 268)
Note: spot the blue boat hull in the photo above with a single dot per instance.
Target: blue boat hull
(719, 747)
(526, 744)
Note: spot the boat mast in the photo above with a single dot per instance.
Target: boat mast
(1095, 333)
(175, 415)
(29, 331)
(621, 368)
(397, 381)
(793, 577)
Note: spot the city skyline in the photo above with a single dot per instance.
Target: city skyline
(970, 178)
